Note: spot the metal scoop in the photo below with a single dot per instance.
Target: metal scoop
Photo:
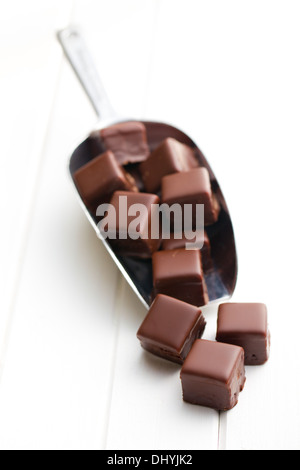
(221, 279)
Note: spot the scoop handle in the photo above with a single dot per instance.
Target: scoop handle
(84, 67)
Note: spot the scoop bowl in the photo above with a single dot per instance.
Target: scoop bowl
(221, 278)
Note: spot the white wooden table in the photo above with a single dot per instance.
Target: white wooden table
(72, 373)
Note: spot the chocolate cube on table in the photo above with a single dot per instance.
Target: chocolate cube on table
(170, 328)
(131, 235)
(246, 325)
(179, 274)
(171, 156)
(128, 141)
(213, 375)
(100, 178)
(200, 240)
(191, 187)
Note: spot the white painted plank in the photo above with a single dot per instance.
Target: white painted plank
(238, 93)
(57, 370)
(29, 70)
(54, 387)
(62, 340)
(147, 411)
(266, 157)
(130, 374)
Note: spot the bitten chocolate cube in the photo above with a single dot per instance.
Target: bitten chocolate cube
(213, 375)
(128, 141)
(191, 187)
(129, 224)
(170, 328)
(246, 325)
(169, 157)
(98, 179)
(179, 274)
(200, 241)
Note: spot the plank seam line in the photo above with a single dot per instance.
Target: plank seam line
(117, 314)
(222, 430)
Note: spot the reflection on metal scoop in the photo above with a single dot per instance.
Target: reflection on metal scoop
(221, 279)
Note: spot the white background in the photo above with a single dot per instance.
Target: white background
(72, 373)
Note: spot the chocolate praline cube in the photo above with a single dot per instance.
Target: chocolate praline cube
(199, 240)
(129, 224)
(191, 187)
(246, 325)
(170, 328)
(179, 274)
(213, 375)
(100, 178)
(171, 156)
(128, 141)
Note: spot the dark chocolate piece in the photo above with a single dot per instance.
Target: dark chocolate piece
(246, 325)
(169, 157)
(97, 180)
(128, 141)
(131, 234)
(200, 239)
(133, 170)
(191, 187)
(170, 328)
(213, 375)
(179, 274)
